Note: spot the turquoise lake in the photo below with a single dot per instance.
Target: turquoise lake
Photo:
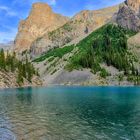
(70, 113)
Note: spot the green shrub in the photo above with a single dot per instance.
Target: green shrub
(51, 59)
(103, 73)
(67, 27)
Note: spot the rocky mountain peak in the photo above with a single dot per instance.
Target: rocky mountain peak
(40, 20)
(42, 11)
(40, 5)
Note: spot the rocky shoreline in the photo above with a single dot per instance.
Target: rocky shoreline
(8, 80)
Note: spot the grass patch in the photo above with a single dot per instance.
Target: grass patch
(57, 52)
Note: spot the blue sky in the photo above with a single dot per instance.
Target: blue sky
(12, 11)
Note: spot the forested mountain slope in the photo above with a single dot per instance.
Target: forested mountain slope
(106, 47)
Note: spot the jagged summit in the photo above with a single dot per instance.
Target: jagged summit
(40, 20)
(41, 4)
(40, 9)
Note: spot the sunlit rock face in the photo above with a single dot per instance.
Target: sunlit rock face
(40, 20)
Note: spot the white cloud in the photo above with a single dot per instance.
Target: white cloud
(52, 2)
(7, 11)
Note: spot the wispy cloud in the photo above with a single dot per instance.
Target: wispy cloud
(93, 5)
(52, 2)
(8, 35)
(7, 11)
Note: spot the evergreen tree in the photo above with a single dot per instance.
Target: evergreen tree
(2, 59)
(20, 74)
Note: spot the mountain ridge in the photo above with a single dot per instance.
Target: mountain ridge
(78, 26)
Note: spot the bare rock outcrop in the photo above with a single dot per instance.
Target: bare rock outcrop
(129, 15)
(9, 80)
(127, 18)
(40, 20)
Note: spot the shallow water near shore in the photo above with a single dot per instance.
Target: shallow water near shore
(70, 113)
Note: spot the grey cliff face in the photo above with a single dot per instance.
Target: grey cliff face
(128, 18)
(128, 15)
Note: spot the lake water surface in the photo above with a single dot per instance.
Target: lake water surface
(70, 113)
